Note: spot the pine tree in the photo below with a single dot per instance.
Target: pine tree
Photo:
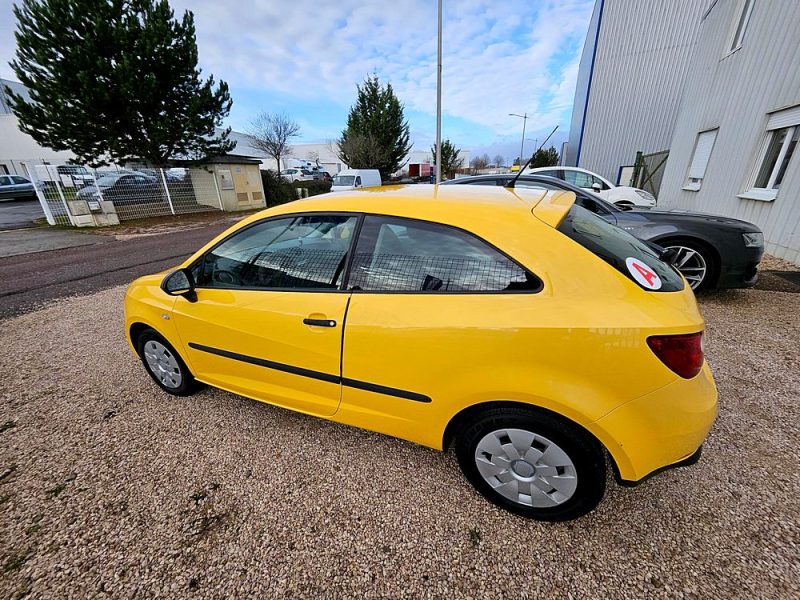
(544, 158)
(116, 80)
(377, 134)
(451, 161)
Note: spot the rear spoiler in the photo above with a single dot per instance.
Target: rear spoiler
(553, 207)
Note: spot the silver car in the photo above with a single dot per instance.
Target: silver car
(16, 187)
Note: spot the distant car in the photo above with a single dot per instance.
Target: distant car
(620, 195)
(124, 187)
(16, 187)
(710, 251)
(80, 175)
(350, 179)
(296, 174)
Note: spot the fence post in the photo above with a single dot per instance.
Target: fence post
(64, 200)
(97, 187)
(38, 186)
(166, 189)
(216, 185)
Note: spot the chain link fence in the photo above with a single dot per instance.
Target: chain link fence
(68, 192)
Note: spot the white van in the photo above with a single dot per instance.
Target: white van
(349, 179)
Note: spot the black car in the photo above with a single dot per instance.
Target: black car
(124, 187)
(709, 250)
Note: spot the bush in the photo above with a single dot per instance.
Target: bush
(276, 189)
(314, 187)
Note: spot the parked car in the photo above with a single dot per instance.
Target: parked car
(621, 195)
(534, 336)
(124, 187)
(296, 174)
(16, 187)
(709, 250)
(349, 179)
(80, 175)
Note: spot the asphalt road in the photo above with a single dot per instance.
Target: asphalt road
(32, 280)
(16, 214)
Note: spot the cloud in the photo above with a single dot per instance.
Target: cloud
(498, 57)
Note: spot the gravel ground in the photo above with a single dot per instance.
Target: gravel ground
(109, 487)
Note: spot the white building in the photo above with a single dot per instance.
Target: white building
(734, 151)
(716, 84)
(630, 80)
(18, 150)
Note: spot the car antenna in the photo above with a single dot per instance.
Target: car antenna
(511, 183)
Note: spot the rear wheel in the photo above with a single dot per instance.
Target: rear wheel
(164, 364)
(532, 463)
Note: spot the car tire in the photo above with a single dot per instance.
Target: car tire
(532, 463)
(164, 365)
(703, 258)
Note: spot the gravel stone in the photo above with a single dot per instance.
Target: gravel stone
(112, 488)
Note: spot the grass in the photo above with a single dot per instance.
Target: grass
(7, 425)
(15, 561)
(474, 537)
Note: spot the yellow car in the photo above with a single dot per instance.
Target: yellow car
(538, 339)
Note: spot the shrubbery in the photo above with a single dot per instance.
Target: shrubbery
(279, 191)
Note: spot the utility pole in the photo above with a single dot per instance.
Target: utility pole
(522, 145)
(439, 102)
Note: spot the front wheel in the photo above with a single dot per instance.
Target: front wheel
(533, 463)
(694, 262)
(164, 364)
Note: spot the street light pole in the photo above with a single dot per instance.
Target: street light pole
(439, 102)
(522, 145)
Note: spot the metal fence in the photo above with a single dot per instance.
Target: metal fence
(68, 191)
(648, 171)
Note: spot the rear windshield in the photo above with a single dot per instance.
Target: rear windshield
(628, 255)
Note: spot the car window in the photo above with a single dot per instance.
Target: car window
(358, 180)
(18, 179)
(619, 249)
(579, 178)
(603, 185)
(405, 255)
(552, 173)
(5, 180)
(301, 252)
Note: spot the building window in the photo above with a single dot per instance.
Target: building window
(783, 132)
(702, 153)
(744, 10)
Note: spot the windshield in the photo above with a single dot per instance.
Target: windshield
(108, 180)
(344, 180)
(628, 255)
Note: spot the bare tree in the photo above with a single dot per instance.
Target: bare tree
(499, 160)
(271, 134)
(479, 162)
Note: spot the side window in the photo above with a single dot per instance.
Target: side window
(405, 255)
(555, 173)
(300, 252)
(358, 181)
(5, 180)
(582, 180)
(18, 179)
(597, 181)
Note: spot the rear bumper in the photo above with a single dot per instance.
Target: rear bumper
(659, 430)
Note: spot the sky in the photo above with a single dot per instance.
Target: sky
(305, 60)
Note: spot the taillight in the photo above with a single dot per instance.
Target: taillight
(683, 354)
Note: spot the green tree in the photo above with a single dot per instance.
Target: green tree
(451, 161)
(377, 134)
(545, 158)
(116, 80)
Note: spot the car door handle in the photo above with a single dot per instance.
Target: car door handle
(320, 322)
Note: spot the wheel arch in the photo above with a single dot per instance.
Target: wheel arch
(700, 241)
(463, 417)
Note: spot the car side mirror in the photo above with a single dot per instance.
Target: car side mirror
(597, 187)
(180, 283)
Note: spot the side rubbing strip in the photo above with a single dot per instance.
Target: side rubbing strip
(268, 363)
(276, 366)
(382, 389)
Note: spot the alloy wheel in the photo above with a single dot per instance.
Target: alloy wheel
(526, 468)
(691, 264)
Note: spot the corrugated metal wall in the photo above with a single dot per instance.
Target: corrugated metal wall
(735, 93)
(643, 52)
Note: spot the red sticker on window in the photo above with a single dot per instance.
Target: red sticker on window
(644, 275)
